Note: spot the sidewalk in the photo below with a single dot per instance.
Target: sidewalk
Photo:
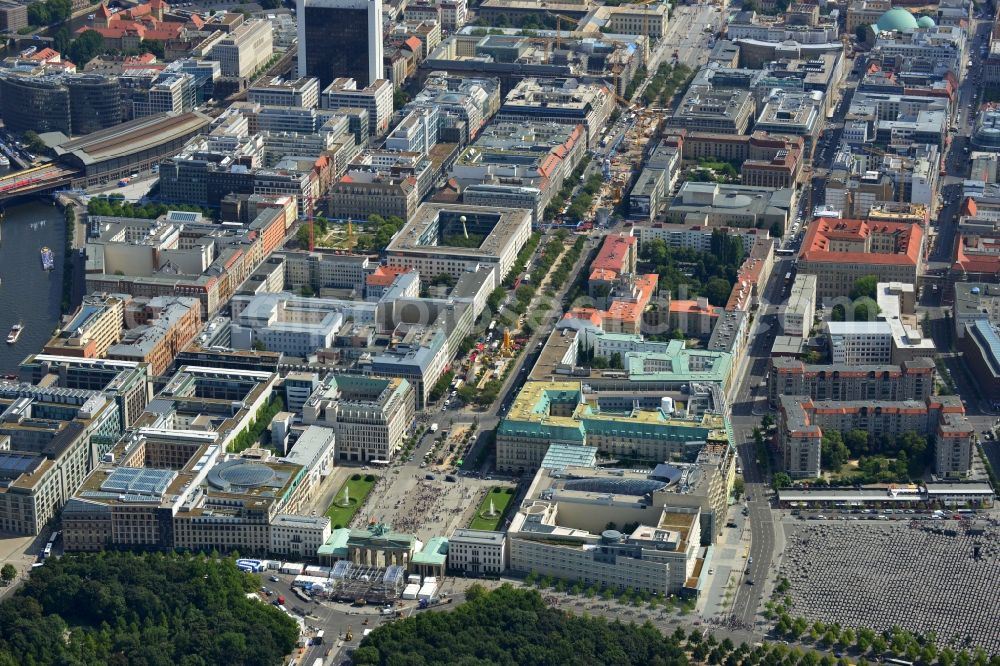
(728, 562)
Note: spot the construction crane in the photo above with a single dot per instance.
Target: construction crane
(558, 36)
(643, 4)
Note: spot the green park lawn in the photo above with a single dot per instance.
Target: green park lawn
(358, 487)
(501, 499)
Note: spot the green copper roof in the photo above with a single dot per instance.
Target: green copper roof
(897, 19)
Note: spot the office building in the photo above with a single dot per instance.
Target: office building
(477, 552)
(50, 437)
(974, 301)
(566, 101)
(127, 385)
(324, 270)
(707, 109)
(423, 244)
(865, 12)
(859, 342)
(340, 38)
(561, 528)
(553, 412)
(36, 103)
(376, 98)
(158, 328)
(720, 205)
(980, 343)
(798, 315)
(362, 192)
(464, 105)
(518, 165)
(132, 256)
(792, 114)
(840, 251)
(896, 303)
(95, 102)
(92, 329)
(298, 537)
(416, 132)
(694, 236)
(293, 325)
(13, 16)
(246, 49)
(275, 91)
(419, 357)
(370, 415)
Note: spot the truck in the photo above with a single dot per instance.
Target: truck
(411, 591)
(318, 638)
(280, 600)
(434, 428)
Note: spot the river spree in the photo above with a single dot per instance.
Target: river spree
(29, 294)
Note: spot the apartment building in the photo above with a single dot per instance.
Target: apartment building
(912, 380)
(801, 422)
(370, 415)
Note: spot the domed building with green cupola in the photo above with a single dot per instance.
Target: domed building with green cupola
(896, 19)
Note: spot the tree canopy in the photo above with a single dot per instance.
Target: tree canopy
(118, 608)
(865, 287)
(710, 274)
(116, 206)
(511, 627)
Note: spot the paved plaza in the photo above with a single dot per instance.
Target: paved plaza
(411, 503)
(938, 576)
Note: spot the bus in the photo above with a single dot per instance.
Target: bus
(785, 252)
(897, 662)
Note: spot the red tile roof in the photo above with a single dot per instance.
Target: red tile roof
(613, 253)
(384, 275)
(815, 246)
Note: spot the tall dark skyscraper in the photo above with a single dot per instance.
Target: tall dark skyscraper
(340, 38)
